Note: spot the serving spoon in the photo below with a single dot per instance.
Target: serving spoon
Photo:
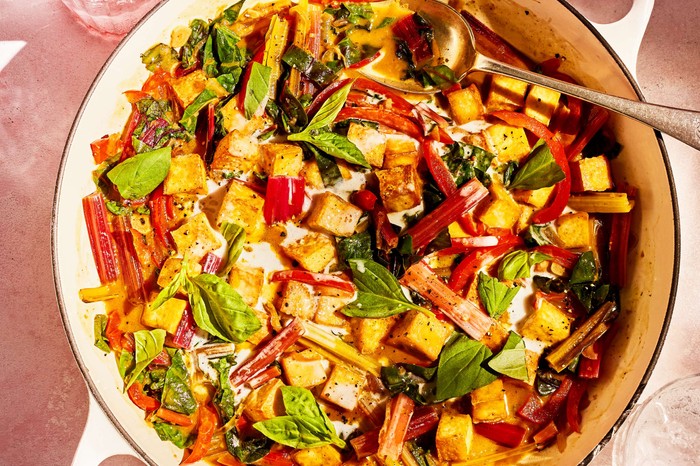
(457, 50)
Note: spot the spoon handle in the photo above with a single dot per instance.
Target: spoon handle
(683, 125)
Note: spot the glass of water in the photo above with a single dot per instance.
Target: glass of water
(110, 17)
(664, 430)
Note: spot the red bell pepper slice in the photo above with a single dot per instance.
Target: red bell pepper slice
(311, 278)
(562, 188)
(618, 245)
(573, 404)
(393, 431)
(384, 117)
(478, 259)
(536, 414)
(101, 240)
(276, 458)
(386, 236)
(105, 147)
(206, 425)
(393, 102)
(140, 399)
(438, 168)
(597, 119)
(131, 125)
(364, 199)
(563, 257)
(158, 204)
(173, 417)
(112, 332)
(510, 435)
(284, 198)
(548, 433)
(322, 96)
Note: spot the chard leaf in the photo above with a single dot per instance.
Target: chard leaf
(257, 88)
(199, 32)
(235, 239)
(171, 433)
(327, 166)
(176, 394)
(540, 170)
(189, 116)
(137, 176)
(159, 56)
(307, 65)
(357, 246)
(148, 344)
(99, 326)
(247, 451)
(460, 368)
(585, 270)
(229, 80)
(209, 65)
(495, 295)
(225, 397)
(511, 360)
(231, 13)
(229, 55)
(388, 21)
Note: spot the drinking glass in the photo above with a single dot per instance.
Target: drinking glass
(110, 17)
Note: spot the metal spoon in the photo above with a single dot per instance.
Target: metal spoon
(457, 50)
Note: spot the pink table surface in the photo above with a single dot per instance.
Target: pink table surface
(44, 399)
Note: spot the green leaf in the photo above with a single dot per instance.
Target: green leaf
(209, 65)
(125, 363)
(199, 32)
(229, 55)
(495, 295)
(176, 394)
(397, 379)
(235, 239)
(172, 288)
(333, 144)
(460, 368)
(231, 13)
(517, 264)
(257, 88)
(233, 319)
(585, 270)
(137, 176)
(201, 312)
(229, 80)
(148, 344)
(372, 306)
(357, 246)
(466, 161)
(315, 70)
(329, 110)
(540, 170)
(189, 116)
(159, 56)
(99, 326)
(247, 451)
(300, 402)
(171, 433)
(511, 360)
(386, 22)
(225, 397)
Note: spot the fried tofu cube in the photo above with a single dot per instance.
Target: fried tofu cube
(573, 230)
(325, 455)
(502, 211)
(313, 252)
(196, 238)
(264, 331)
(525, 219)
(454, 436)
(265, 402)
(421, 333)
(400, 152)
(237, 152)
(400, 188)
(343, 387)
(188, 87)
(312, 175)
(333, 215)
(548, 324)
(305, 368)
(591, 174)
(371, 143)
(466, 104)
(183, 207)
(281, 159)
(497, 336)
(541, 104)
(166, 316)
(509, 143)
(187, 175)
(489, 403)
(505, 94)
(368, 334)
(298, 300)
(532, 362)
(243, 206)
(248, 282)
(537, 197)
(327, 310)
(172, 267)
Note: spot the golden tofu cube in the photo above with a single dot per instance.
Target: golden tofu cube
(172, 267)
(187, 175)
(237, 152)
(243, 206)
(400, 188)
(368, 334)
(541, 104)
(327, 311)
(466, 104)
(573, 230)
(591, 174)
(141, 222)
(313, 252)
(399, 152)
(502, 211)
(265, 402)
(537, 198)
(505, 94)
(525, 219)
(248, 281)
(509, 143)
(489, 403)
(264, 331)
(454, 436)
(281, 159)
(343, 387)
(371, 143)
(188, 87)
(422, 333)
(183, 208)
(325, 455)
(166, 316)
(456, 231)
(333, 215)
(548, 324)
(312, 175)
(298, 300)
(305, 368)
(196, 238)
(532, 362)
(497, 335)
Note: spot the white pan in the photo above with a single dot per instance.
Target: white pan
(551, 26)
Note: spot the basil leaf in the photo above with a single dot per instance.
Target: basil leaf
(585, 270)
(327, 166)
(189, 116)
(171, 433)
(357, 246)
(99, 326)
(517, 264)
(137, 176)
(257, 88)
(511, 360)
(460, 368)
(176, 394)
(372, 306)
(540, 170)
(225, 396)
(330, 109)
(495, 295)
(148, 344)
(247, 451)
(333, 144)
(172, 288)
(201, 312)
(231, 13)
(300, 402)
(232, 317)
(125, 363)
(235, 239)
(307, 65)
